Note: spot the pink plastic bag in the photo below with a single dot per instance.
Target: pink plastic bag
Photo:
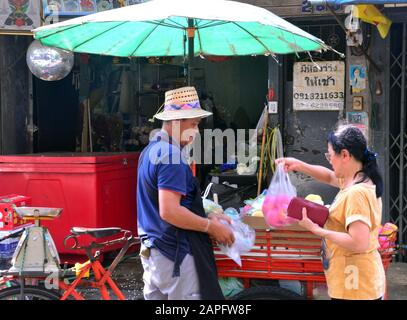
(278, 197)
(387, 236)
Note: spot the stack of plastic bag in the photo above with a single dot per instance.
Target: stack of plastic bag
(278, 197)
(244, 234)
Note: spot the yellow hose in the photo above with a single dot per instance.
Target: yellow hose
(270, 151)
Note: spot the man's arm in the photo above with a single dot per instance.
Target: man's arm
(173, 213)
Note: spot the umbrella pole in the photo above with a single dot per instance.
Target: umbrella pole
(191, 36)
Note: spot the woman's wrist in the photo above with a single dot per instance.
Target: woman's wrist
(321, 232)
(304, 167)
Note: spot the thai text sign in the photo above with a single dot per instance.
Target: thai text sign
(319, 86)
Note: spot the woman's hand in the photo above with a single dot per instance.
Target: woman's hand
(290, 164)
(307, 224)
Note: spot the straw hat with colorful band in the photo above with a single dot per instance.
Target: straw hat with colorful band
(182, 103)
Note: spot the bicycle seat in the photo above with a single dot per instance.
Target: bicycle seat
(95, 232)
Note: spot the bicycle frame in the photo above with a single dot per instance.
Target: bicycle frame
(102, 276)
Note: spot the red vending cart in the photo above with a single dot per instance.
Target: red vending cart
(94, 189)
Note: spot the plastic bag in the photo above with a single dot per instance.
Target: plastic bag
(278, 197)
(387, 237)
(292, 285)
(232, 213)
(210, 206)
(230, 286)
(253, 207)
(244, 240)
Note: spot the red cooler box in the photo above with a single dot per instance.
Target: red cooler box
(94, 189)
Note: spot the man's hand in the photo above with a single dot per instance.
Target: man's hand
(220, 232)
(173, 213)
(218, 214)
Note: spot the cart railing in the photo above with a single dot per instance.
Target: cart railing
(283, 255)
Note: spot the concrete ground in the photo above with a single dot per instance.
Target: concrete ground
(129, 278)
(397, 281)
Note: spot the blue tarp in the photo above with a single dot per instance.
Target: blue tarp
(349, 2)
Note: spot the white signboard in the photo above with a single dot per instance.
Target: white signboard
(273, 107)
(19, 15)
(319, 86)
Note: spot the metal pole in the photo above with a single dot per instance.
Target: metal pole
(402, 128)
(191, 36)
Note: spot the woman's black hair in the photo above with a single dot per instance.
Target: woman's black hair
(352, 139)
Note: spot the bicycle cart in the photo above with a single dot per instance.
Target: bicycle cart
(36, 272)
(281, 254)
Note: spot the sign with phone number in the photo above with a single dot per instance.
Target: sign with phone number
(319, 86)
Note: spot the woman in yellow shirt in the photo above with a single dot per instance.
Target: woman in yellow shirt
(352, 263)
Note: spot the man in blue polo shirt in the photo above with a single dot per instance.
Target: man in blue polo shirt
(176, 251)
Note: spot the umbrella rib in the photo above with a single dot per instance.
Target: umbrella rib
(141, 43)
(158, 23)
(176, 23)
(254, 37)
(101, 33)
(318, 41)
(214, 24)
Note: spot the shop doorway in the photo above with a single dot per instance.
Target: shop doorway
(397, 136)
(56, 114)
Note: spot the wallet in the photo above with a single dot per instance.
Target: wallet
(316, 213)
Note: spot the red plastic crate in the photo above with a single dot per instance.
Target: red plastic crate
(9, 219)
(95, 190)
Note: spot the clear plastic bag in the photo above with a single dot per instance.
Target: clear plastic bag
(278, 197)
(254, 206)
(244, 240)
(211, 206)
(232, 213)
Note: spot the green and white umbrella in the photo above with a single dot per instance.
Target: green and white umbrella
(180, 28)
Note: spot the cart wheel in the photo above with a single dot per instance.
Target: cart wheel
(267, 293)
